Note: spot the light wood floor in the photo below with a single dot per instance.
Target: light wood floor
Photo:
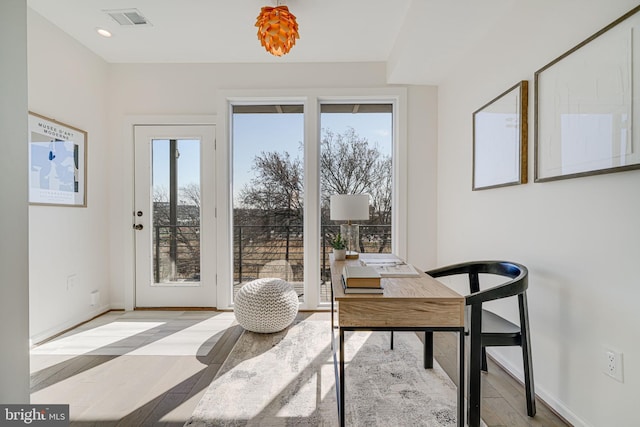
(503, 401)
(150, 368)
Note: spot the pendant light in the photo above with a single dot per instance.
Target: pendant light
(277, 29)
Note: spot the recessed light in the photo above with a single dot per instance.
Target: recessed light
(103, 32)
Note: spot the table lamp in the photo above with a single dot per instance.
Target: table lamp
(350, 207)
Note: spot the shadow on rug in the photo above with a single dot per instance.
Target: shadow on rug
(287, 379)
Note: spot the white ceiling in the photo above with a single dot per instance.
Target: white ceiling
(419, 39)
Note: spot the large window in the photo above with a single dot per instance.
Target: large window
(287, 157)
(268, 183)
(356, 146)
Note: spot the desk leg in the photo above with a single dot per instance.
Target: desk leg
(475, 365)
(428, 350)
(332, 315)
(341, 408)
(461, 379)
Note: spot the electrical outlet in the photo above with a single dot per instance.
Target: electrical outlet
(95, 298)
(71, 281)
(612, 364)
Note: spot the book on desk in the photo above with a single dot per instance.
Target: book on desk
(361, 280)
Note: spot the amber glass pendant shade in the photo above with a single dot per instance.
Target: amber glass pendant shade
(277, 29)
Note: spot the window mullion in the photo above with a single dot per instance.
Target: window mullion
(311, 202)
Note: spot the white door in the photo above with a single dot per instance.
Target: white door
(174, 216)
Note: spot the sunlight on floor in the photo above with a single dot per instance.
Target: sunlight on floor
(95, 339)
(196, 340)
(124, 365)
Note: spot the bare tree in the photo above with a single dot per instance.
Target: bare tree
(276, 187)
(380, 192)
(190, 195)
(275, 196)
(350, 164)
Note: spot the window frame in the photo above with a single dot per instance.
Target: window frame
(311, 100)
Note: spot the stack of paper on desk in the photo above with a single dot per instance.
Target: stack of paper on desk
(391, 267)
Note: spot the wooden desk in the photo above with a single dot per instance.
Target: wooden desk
(407, 304)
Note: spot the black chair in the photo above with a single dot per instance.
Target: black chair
(487, 329)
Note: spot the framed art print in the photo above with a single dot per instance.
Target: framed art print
(586, 105)
(57, 163)
(500, 140)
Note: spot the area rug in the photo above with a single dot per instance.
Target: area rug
(287, 379)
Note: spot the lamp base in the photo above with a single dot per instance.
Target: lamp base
(352, 255)
(351, 236)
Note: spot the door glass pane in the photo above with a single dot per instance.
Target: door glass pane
(356, 158)
(176, 210)
(268, 193)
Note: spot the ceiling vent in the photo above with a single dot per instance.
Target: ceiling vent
(128, 17)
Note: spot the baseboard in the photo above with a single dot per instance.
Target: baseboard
(57, 330)
(176, 309)
(548, 399)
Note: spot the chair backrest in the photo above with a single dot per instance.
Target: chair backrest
(518, 274)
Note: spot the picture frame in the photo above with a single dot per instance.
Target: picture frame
(500, 141)
(57, 163)
(586, 103)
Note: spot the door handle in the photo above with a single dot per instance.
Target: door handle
(138, 226)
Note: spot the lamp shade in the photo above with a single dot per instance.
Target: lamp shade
(349, 207)
(277, 29)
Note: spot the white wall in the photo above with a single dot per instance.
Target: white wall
(422, 176)
(580, 238)
(69, 83)
(193, 89)
(14, 280)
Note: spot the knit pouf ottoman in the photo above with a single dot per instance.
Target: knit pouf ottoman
(266, 305)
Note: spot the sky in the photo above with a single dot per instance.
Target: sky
(188, 162)
(255, 133)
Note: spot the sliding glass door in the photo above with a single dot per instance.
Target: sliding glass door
(356, 147)
(286, 158)
(268, 194)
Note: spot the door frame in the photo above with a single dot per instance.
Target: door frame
(189, 294)
(123, 220)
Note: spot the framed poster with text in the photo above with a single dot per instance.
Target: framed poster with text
(57, 163)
